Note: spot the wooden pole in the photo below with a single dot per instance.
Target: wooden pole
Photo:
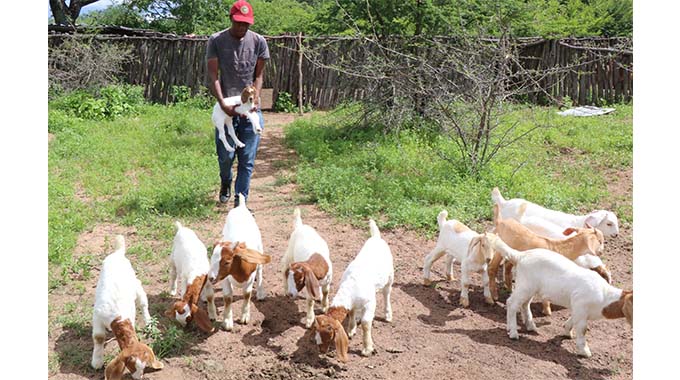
(300, 72)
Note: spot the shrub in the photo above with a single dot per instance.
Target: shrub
(284, 103)
(111, 102)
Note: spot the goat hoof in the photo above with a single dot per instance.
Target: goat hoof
(97, 363)
(585, 352)
(449, 277)
(513, 335)
(464, 302)
(367, 352)
(388, 318)
(427, 282)
(489, 300)
(531, 326)
(228, 326)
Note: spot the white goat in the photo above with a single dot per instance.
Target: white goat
(370, 271)
(245, 102)
(550, 230)
(523, 211)
(460, 243)
(241, 239)
(558, 279)
(189, 268)
(307, 264)
(118, 289)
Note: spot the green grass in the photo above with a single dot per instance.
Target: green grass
(143, 171)
(400, 179)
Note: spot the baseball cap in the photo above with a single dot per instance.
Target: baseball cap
(242, 11)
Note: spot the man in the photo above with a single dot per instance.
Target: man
(239, 55)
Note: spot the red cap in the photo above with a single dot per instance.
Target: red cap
(242, 11)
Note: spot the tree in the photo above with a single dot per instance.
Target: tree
(67, 14)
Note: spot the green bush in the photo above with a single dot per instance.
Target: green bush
(284, 103)
(110, 102)
(181, 95)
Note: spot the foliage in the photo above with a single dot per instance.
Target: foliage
(547, 18)
(165, 343)
(85, 64)
(400, 178)
(110, 102)
(284, 103)
(181, 95)
(116, 14)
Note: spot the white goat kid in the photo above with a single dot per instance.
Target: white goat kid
(460, 243)
(558, 279)
(371, 271)
(118, 290)
(239, 228)
(307, 264)
(524, 211)
(245, 103)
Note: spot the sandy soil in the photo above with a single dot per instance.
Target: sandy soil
(431, 335)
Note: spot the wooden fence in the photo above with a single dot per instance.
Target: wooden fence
(163, 61)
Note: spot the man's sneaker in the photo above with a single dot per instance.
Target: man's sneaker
(225, 193)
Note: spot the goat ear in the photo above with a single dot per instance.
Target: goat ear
(341, 341)
(170, 313)
(595, 218)
(627, 308)
(202, 319)
(568, 231)
(254, 257)
(114, 371)
(312, 284)
(475, 241)
(593, 245)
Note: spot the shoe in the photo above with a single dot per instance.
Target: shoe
(225, 193)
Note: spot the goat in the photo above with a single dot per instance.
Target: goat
(585, 241)
(558, 279)
(371, 270)
(307, 264)
(605, 221)
(460, 243)
(245, 103)
(237, 261)
(118, 290)
(189, 268)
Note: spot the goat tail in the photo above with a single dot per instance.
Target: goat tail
(496, 214)
(375, 232)
(241, 200)
(178, 225)
(496, 196)
(298, 218)
(441, 218)
(119, 244)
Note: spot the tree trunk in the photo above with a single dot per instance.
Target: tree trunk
(59, 12)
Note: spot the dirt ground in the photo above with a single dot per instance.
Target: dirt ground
(431, 335)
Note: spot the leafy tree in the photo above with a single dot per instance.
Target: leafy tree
(119, 15)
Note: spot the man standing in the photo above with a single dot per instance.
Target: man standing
(238, 55)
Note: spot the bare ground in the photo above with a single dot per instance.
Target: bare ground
(431, 335)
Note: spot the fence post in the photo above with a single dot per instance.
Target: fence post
(300, 72)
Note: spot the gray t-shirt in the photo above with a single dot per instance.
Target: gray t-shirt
(236, 59)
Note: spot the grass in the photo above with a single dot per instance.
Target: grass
(399, 179)
(144, 171)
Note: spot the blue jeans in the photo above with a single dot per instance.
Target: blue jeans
(246, 155)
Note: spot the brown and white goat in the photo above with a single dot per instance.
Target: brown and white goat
(307, 265)
(585, 241)
(118, 290)
(189, 268)
(235, 265)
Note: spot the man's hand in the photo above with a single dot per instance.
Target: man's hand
(229, 110)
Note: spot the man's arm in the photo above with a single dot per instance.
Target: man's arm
(215, 89)
(259, 79)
